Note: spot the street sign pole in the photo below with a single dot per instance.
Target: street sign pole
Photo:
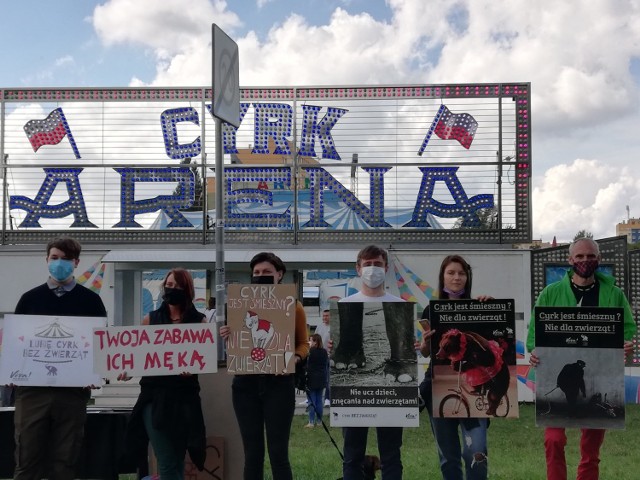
(225, 107)
(219, 229)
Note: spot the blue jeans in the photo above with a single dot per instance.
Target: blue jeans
(355, 446)
(473, 450)
(315, 405)
(170, 460)
(264, 403)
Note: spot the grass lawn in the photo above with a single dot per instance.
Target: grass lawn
(516, 450)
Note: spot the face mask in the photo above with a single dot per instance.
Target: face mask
(61, 269)
(586, 268)
(452, 293)
(372, 276)
(174, 296)
(264, 279)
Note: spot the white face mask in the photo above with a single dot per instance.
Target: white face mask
(372, 276)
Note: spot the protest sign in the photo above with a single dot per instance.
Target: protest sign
(151, 350)
(374, 365)
(473, 358)
(262, 323)
(580, 378)
(40, 350)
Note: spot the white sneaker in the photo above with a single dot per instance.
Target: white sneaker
(305, 402)
(327, 403)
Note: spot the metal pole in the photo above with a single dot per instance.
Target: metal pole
(203, 172)
(499, 212)
(3, 167)
(219, 228)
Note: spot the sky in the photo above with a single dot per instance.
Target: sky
(583, 65)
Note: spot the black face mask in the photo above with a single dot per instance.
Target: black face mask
(174, 296)
(264, 279)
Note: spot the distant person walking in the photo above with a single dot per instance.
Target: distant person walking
(317, 366)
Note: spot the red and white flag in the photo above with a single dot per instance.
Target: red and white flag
(50, 131)
(457, 126)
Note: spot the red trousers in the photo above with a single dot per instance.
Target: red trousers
(590, 443)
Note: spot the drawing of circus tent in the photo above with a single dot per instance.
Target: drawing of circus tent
(338, 215)
(54, 330)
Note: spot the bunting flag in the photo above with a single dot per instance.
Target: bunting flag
(96, 285)
(411, 287)
(81, 279)
(50, 131)
(405, 292)
(447, 125)
(421, 284)
(527, 376)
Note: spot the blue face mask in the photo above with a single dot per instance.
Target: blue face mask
(61, 269)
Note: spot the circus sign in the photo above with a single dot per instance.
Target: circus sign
(312, 159)
(40, 350)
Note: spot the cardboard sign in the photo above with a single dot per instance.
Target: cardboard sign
(473, 358)
(151, 350)
(374, 365)
(262, 323)
(580, 378)
(55, 351)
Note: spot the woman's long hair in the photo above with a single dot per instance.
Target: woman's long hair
(467, 269)
(318, 339)
(185, 281)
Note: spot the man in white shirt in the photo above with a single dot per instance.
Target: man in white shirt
(372, 265)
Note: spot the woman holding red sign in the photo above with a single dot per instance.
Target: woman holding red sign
(267, 402)
(168, 411)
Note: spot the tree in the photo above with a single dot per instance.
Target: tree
(583, 234)
(199, 190)
(488, 219)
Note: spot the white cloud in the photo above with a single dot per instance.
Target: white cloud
(580, 74)
(585, 194)
(577, 60)
(62, 61)
(169, 27)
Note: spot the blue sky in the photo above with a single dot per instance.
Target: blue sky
(583, 65)
(59, 47)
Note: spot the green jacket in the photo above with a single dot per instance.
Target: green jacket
(559, 294)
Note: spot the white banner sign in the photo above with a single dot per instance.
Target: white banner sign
(39, 350)
(149, 350)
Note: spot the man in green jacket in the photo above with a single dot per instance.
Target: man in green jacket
(583, 287)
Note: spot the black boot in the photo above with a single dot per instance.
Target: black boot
(349, 351)
(399, 322)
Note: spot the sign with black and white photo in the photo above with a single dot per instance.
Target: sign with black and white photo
(580, 377)
(473, 358)
(373, 365)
